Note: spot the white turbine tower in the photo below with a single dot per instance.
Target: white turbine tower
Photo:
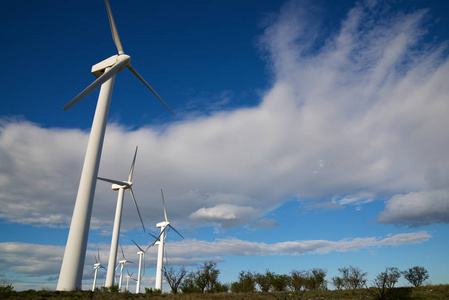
(161, 243)
(141, 254)
(121, 186)
(122, 263)
(97, 265)
(72, 266)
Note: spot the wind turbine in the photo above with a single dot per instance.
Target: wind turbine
(72, 266)
(119, 186)
(97, 265)
(161, 243)
(129, 276)
(122, 263)
(141, 254)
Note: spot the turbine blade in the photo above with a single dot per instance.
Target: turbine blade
(118, 182)
(137, 207)
(137, 245)
(153, 236)
(96, 261)
(175, 230)
(114, 31)
(159, 236)
(123, 254)
(99, 81)
(131, 171)
(99, 261)
(163, 202)
(148, 86)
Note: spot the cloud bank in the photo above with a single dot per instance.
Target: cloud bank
(33, 260)
(357, 114)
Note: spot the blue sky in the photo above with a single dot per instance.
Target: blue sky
(308, 134)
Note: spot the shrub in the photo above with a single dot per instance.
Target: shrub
(416, 275)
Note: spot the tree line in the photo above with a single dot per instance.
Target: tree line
(205, 280)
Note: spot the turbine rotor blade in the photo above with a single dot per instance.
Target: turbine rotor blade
(159, 236)
(137, 207)
(123, 254)
(149, 86)
(137, 245)
(175, 230)
(99, 81)
(153, 236)
(163, 202)
(96, 261)
(131, 171)
(118, 182)
(114, 31)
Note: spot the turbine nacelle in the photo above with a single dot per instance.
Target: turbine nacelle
(162, 224)
(126, 185)
(99, 68)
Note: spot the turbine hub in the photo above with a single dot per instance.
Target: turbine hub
(125, 58)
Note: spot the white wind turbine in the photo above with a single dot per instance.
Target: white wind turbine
(161, 243)
(141, 254)
(128, 277)
(121, 186)
(122, 263)
(70, 276)
(97, 265)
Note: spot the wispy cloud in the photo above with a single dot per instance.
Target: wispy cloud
(32, 259)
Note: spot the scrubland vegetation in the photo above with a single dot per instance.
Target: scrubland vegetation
(311, 284)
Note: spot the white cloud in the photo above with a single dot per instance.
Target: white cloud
(225, 214)
(419, 208)
(360, 112)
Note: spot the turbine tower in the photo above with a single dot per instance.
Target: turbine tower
(97, 265)
(119, 186)
(161, 243)
(72, 266)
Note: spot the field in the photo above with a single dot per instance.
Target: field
(430, 292)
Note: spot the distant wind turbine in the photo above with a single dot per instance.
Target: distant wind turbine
(129, 276)
(72, 266)
(122, 263)
(141, 254)
(161, 243)
(97, 265)
(121, 186)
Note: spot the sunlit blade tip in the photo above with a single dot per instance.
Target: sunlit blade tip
(163, 202)
(131, 171)
(114, 31)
